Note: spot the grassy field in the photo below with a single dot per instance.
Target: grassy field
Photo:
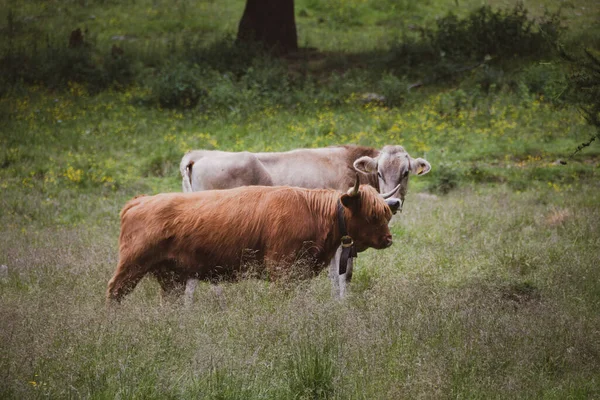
(492, 286)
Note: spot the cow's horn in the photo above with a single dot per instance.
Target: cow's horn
(391, 193)
(354, 190)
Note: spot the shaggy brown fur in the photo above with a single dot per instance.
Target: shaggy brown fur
(176, 236)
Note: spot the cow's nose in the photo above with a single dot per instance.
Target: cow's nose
(388, 241)
(394, 204)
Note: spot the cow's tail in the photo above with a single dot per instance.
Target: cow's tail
(186, 172)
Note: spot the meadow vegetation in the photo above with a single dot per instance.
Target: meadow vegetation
(491, 289)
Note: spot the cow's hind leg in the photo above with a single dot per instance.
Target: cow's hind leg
(334, 275)
(125, 279)
(130, 271)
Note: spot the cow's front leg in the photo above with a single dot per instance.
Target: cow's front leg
(190, 287)
(334, 275)
(346, 278)
(339, 282)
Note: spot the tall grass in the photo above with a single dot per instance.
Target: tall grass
(491, 289)
(484, 294)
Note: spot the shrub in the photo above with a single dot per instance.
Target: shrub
(119, 68)
(497, 33)
(163, 162)
(544, 79)
(483, 175)
(489, 79)
(178, 86)
(393, 89)
(443, 180)
(584, 89)
(267, 78)
(451, 103)
(223, 91)
(409, 55)
(53, 64)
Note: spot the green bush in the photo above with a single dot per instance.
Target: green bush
(119, 68)
(341, 85)
(224, 92)
(444, 179)
(584, 89)
(485, 31)
(489, 79)
(544, 79)
(267, 78)
(54, 65)
(451, 103)
(162, 163)
(393, 89)
(408, 55)
(178, 86)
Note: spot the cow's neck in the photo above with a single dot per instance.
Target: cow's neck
(352, 154)
(369, 179)
(325, 211)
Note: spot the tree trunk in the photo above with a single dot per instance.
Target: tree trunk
(270, 23)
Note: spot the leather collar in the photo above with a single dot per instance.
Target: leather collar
(348, 249)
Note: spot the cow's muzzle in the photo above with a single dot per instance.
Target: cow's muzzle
(394, 204)
(388, 241)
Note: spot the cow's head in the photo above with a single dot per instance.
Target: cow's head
(392, 166)
(368, 215)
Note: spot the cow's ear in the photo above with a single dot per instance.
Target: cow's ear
(420, 166)
(366, 165)
(350, 201)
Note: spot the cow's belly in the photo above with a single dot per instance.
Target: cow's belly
(217, 266)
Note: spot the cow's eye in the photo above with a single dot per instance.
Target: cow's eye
(379, 175)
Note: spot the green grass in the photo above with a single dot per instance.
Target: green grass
(491, 289)
(485, 293)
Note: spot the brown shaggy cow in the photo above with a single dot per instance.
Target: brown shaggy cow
(176, 236)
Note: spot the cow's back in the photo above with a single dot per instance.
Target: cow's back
(221, 227)
(214, 170)
(308, 168)
(330, 167)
